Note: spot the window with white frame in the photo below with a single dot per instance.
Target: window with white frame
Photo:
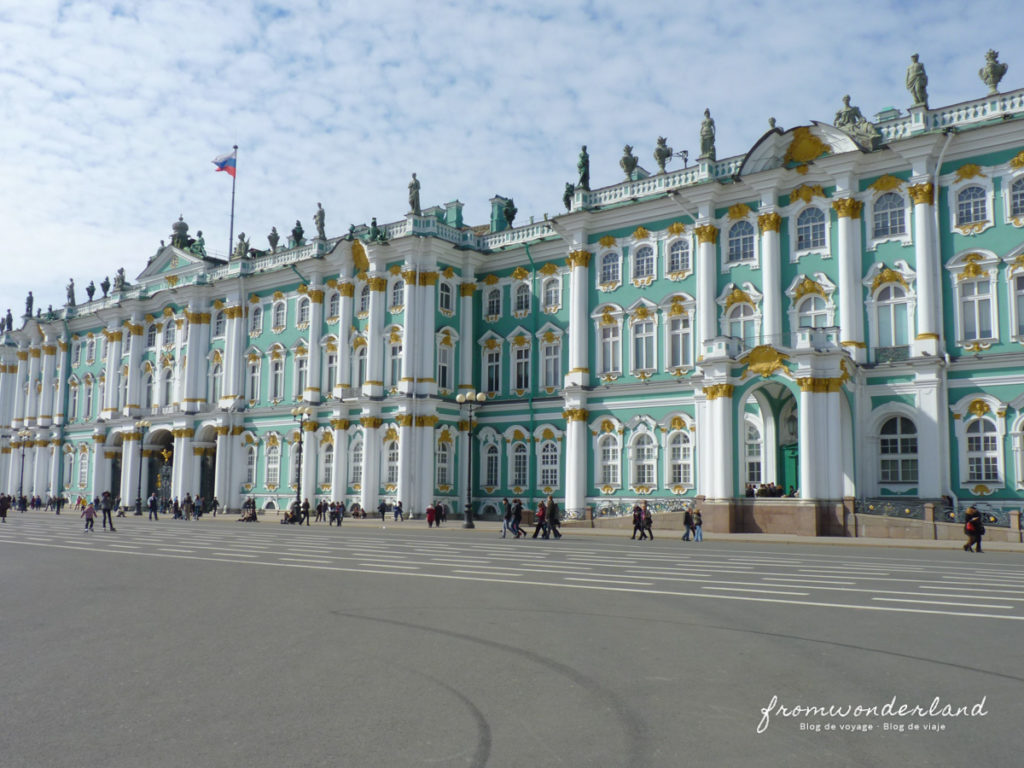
(74, 403)
(398, 294)
(971, 205)
(273, 469)
(549, 465)
(169, 331)
(364, 300)
(147, 391)
(491, 466)
(255, 320)
(897, 448)
(334, 305)
(330, 371)
(88, 399)
(216, 383)
(982, 451)
(522, 368)
(493, 302)
(219, 323)
(889, 216)
(443, 463)
(680, 459)
(610, 268)
(90, 351)
(391, 465)
(167, 395)
(679, 338)
(810, 229)
(551, 356)
(679, 256)
(1017, 291)
(83, 469)
(122, 389)
(643, 262)
(444, 367)
(891, 305)
(250, 465)
(301, 375)
(394, 363)
(610, 349)
(643, 344)
(277, 379)
(492, 363)
(812, 312)
(1017, 198)
(69, 463)
(519, 465)
(76, 353)
(976, 309)
(743, 323)
(552, 294)
(359, 369)
(327, 464)
(355, 464)
(752, 453)
(151, 336)
(302, 311)
(522, 298)
(611, 460)
(253, 389)
(278, 315)
(644, 460)
(445, 299)
(740, 242)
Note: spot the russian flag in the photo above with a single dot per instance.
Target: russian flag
(226, 162)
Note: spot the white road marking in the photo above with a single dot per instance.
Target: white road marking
(941, 602)
(764, 591)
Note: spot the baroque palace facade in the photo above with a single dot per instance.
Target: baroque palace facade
(840, 310)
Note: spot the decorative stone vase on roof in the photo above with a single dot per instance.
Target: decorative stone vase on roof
(993, 71)
(628, 162)
(662, 153)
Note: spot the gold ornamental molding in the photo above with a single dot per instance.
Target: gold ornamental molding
(739, 211)
(769, 222)
(310, 426)
(234, 313)
(969, 171)
(464, 425)
(316, 295)
(848, 207)
(806, 287)
(197, 318)
(549, 269)
(641, 233)
(886, 183)
(113, 336)
(222, 431)
(707, 233)
(426, 421)
(359, 260)
(378, 284)
(807, 192)
(1017, 161)
(467, 289)
(927, 337)
(491, 279)
(575, 414)
(973, 268)
(888, 275)
(676, 228)
(978, 407)
(765, 360)
(51, 349)
(404, 419)
(99, 438)
(856, 344)
(607, 242)
(578, 259)
(395, 269)
(738, 296)
(715, 391)
(519, 273)
(922, 194)
(340, 424)
(371, 422)
(347, 289)
(820, 385)
(428, 279)
(805, 146)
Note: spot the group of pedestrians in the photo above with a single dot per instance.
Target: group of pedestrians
(437, 513)
(547, 519)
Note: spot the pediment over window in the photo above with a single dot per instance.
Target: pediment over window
(174, 261)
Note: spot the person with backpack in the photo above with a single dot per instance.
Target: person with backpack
(974, 528)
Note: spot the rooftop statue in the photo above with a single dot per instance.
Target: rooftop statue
(90, 290)
(119, 281)
(376, 233)
(105, 286)
(917, 82)
(993, 71)
(510, 211)
(628, 162)
(297, 238)
(71, 292)
(662, 153)
(771, 123)
(241, 247)
(707, 137)
(351, 233)
(10, 321)
(179, 234)
(318, 220)
(847, 116)
(583, 166)
(567, 195)
(273, 238)
(198, 246)
(28, 304)
(414, 195)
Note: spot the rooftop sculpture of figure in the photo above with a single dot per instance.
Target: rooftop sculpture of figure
(119, 281)
(707, 137)
(28, 304)
(993, 71)
(662, 153)
(90, 290)
(583, 166)
(510, 211)
(71, 292)
(414, 195)
(567, 195)
(10, 320)
(318, 220)
(273, 238)
(375, 233)
(628, 162)
(917, 82)
(297, 234)
(241, 247)
(771, 123)
(351, 233)
(198, 246)
(105, 286)
(847, 116)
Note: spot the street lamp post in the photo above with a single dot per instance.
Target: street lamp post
(143, 425)
(301, 414)
(472, 400)
(24, 435)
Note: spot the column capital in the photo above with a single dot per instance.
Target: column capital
(922, 194)
(715, 391)
(847, 207)
(578, 259)
(769, 222)
(706, 233)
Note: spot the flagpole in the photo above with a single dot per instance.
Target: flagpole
(231, 231)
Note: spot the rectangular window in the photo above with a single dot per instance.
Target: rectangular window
(331, 372)
(396, 364)
(494, 371)
(522, 373)
(643, 345)
(976, 306)
(679, 341)
(552, 365)
(610, 349)
(254, 382)
(1019, 303)
(444, 367)
(519, 467)
(301, 369)
(277, 380)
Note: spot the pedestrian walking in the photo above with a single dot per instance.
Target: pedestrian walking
(974, 528)
(506, 524)
(107, 504)
(517, 519)
(153, 504)
(687, 525)
(539, 520)
(89, 513)
(399, 512)
(382, 510)
(698, 527)
(648, 522)
(5, 504)
(553, 517)
(431, 515)
(638, 522)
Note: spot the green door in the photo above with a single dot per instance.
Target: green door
(789, 465)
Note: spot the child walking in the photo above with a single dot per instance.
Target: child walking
(89, 513)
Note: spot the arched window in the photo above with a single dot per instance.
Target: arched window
(752, 453)
(442, 460)
(398, 294)
(355, 464)
(169, 331)
(444, 297)
(610, 268)
(83, 469)
(255, 320)
(549, 465)
(552, 293)
(810, 229)
(394, 363)
(88, 399)
(679, 256)
(519, 465)
(219, 323)
(889, 215)
(122, 389)
(643, 262)
(741, 242)
(280, 313)
(897, 447)
(643, 460)
(69, 468)
(982, 451)
(608, 450)
(891, 306)
(812, 312)
(1017, 198)
(491, 467)
(391, 451)
(167, 393)
(494, 302)
(303, 310)
(334, 305)
(327, 464)
(151, 335)
(364, 299)
(147, 391)
(743, 324)
(522, 298)
(73, 404)
(444, 367)
(680, 459)
(330, 371)
(971, 205)
(216, 383)
(250, 465)
(273, 465)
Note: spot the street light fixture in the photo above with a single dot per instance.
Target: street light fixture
(24, 434)
(301, 414)
(143, 425)
(473, 400)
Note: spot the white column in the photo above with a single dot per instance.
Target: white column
(720, 441)
(235, 336)
(224, 461)
(370, 491)
(32, 405)
(771, 264)
(412, 352)
(340, 468)
(100, 466)
(194, 393)
(424, 332)
(113, 335)
(46, 396)
(467, 342)
(406, 438)
(851, 303)
(579, 323)
(18, 421)
(316, 322)
(56, 458)
(346, 290)
(425, 474)
(707, 272)
(929, 272)
(374, 384)
(185, 472)
(932, 464)
(310, 462)
(810, 479)
(574, 458)
(136, 341)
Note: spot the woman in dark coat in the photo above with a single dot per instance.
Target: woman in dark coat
(974, 529)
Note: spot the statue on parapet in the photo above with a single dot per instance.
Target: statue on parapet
(414, 195)
(351, 233)
(662, 153)
(273, 238)
(119, 281)
(567, 195)
(376, 233)
(9, 320)
(318, 221)
(298, 233)
(198, 246)
(90, 290)
(707, 137)
(993, 71)
(851, 121)
(71, 292)
(510, 211)
(917, 82)
(583, 168)
(105, 286)
(628, 162)
(241, 248)
(28, 304)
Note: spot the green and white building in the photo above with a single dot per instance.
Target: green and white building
(829, 311)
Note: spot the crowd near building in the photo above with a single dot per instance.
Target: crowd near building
(838, 312)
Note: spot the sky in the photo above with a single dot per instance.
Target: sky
(111, 111)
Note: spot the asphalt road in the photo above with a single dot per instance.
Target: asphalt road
(219, 644)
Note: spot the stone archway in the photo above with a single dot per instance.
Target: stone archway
(768, 438)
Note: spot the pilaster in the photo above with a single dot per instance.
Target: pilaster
(851, 305)
(929, 268)
(707, 270)
(579, 324)
(769, 224)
